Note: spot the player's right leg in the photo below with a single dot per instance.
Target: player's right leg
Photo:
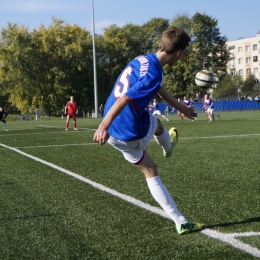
(67, 123)
(163, 197)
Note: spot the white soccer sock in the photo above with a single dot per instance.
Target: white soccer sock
(4, 126)
(163, 197)
(165, 117)
(164, 141)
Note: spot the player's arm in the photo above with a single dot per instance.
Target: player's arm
(101, 135)
(65, 110)
(165, 95)
(6, 114)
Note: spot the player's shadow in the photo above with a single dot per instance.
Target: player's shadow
(249, 220)
(31, 216)
(6, 183)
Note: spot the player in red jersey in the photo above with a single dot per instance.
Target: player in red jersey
(71, 109)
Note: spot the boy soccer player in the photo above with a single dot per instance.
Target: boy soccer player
(128, 127)
(208, 102)
(157, 110)
(71, 109)
(3, 115)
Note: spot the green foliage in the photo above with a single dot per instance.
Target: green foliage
(44, 67)
(235, 87)
(207, 50)
(229, 87)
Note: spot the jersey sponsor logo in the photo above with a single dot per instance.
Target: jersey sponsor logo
(144, 65)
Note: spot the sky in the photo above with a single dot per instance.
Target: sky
(236, 18)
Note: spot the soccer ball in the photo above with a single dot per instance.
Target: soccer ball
(204, 78)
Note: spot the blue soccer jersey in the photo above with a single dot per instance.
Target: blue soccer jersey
(187, 102)
(209, 102)
(156, 106)
(140, 81)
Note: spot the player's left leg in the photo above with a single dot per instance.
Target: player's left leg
(167, 140)
(74, 123)
(163, 116)
(67, 122)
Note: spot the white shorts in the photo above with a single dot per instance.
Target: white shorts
(133, 151)
(157, 112)
(210, 110)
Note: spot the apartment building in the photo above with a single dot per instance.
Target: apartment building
(244, 56)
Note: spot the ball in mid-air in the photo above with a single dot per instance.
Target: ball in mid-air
(204, 78)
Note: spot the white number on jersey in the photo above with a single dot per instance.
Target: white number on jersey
(124, 80)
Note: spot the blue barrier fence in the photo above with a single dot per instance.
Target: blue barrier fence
(226, 105)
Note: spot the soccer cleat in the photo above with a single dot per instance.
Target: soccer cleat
(67, 129)
(188, 227)
(75, 129)
(174, 139)
(6, 130)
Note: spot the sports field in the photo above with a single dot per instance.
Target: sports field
(65, 197)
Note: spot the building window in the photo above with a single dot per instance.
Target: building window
(247, 48)
(247, 59)
(248, 71)
(232, 51)
(255, 70)
(254, 47)
(240, 61)
(240, 72)
(255, 58)
(239, 49)
(232, 62)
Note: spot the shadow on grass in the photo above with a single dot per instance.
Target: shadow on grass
(249, 220)
(30, 217)
(7, 183)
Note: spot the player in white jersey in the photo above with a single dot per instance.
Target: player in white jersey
(209, 108)
(157, 111)
(128, 127)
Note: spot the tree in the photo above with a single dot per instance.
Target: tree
(229, 87)
(44, 67)
(207, 50)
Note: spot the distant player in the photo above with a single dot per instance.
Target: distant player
(3, 115)
(71, 109)
(209, 104)
(188, 103)
(157, 111)
(150, 108)
(180, 114)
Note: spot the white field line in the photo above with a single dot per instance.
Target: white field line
(227, 238)
(185, 138)
(54, 145)
(231, 240)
